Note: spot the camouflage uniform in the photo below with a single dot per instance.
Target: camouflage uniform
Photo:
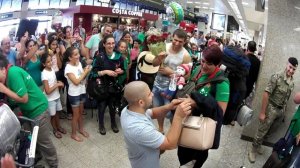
(279, 89)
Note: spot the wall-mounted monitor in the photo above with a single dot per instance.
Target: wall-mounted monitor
(232, 24)
(218, 21)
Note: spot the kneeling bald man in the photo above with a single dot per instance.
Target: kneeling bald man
(142, 138)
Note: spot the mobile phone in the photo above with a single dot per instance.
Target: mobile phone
(42, 47)
(43, 38)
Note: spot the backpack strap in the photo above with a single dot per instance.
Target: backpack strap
(217, 79)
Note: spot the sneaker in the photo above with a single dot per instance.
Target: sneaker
(102, 130)
(252, 155)
(114, 127)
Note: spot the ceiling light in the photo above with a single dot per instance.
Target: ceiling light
(297, 7)
(204, 7)
(205, 3)
(245, 3)
(197, 6)
(189, 2)
(198, 2)
(297, 29)
(212, 8)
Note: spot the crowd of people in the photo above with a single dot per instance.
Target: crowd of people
(52, 80)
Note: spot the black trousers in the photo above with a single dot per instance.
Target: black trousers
(186, 155)
(101, 110)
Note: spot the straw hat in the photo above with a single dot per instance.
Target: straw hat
(145, 60)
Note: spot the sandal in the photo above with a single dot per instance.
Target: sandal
(62, 130)
(84, 133)
(76, 138)
(57, 134)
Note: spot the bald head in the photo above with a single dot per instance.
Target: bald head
(135, 91)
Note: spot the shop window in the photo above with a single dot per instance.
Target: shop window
(64, 4)
(44, 4)
(54, 3)
(16, 5)
(6, 6)
(117, 5)
(80, 2)
(88, 2)
(97, 3)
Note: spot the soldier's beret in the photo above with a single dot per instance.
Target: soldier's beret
(293, 61)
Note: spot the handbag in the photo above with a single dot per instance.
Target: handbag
(198, 132)
(245, 115)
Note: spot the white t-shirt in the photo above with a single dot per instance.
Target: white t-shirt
(51, 78)
(77, 71)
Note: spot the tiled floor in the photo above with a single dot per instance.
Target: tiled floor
(109, 151)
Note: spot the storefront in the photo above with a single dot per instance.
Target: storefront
(91, 16)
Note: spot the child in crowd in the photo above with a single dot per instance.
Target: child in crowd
(76, 75)
(135, 51)
(51, 86)
(56, 57)
(122, 48)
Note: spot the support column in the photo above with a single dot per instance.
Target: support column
(282, 42)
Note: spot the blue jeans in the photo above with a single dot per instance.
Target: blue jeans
(158, 100)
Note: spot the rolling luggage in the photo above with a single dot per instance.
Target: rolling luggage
(21, 144)
(245, 115)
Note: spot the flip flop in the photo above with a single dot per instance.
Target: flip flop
(62, 130)
(76, 138)
(84, 133)
(57, 134)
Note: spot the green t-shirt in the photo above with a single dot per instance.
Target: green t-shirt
(296, 126)
(20, 82)
(222, 89)
(141, 37)
(34, 70)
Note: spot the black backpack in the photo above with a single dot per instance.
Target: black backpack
(237, 68)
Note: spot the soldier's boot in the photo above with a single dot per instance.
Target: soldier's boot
(260, 150)
(252, 154)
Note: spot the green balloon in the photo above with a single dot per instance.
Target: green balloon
(178, 12)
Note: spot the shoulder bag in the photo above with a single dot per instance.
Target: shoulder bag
(198, 132)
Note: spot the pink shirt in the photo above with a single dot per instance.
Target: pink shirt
(134, 53)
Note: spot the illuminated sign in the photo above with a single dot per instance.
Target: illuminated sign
(126, 12)
(7, 15)
(41, 12)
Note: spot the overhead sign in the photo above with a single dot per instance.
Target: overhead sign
(41, 12)
(6, 15)
(127, 12)
(157, 4)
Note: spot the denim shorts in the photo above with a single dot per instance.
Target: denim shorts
(54, 106)
(158, 100)
(75, 101)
